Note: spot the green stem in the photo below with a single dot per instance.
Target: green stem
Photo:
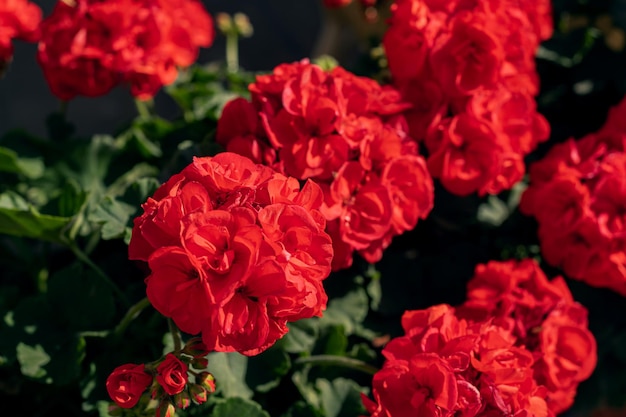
(82, 256)
(175, 335)
(131, 314)
(232, 52)
(333, 360)
(143, 108)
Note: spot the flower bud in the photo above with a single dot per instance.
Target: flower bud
(195, 347)
(207, 381)
(182, 400)
(199, 394)
(200, 363)
(243, 25)
(224, 23)
(165, 409)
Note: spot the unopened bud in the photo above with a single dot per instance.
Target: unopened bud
(182, 400)
(198, 393)
(243, 25)
(165, 409)
(224, 22)
(200, 363)
(195, 347)
(207, 381)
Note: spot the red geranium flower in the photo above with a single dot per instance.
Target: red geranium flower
(236, 251)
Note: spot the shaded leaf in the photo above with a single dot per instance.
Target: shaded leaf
(32, 359)
(230, 370)
(301, 336)
(340, 398)
(238, 407)
(266, 369)
(18, 218)
(80, 300)
(11, 162)
(113, 215)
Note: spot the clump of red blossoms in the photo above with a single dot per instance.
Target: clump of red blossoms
(88, 47)
(577, 194)
(468, 68)
(167, 380)
(348, 134)
(236, 251)
(19, 19)
(518, 347)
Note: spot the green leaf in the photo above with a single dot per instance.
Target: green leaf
(332, 340)
(139, 191)
(71, 199)
(80, 300)
(340, 398)
(238, 407)
(349, 310)
(113, 216)
(146, 146)
(301, 409)
(67, 358)
(130, 177)
(20, 219)
(11, 162)
(230, 370)
(32, 359)
(266, 369)
(301, 380)
(301, 336)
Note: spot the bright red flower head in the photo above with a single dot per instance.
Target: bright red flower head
(236, 251)
(577, 193)
(347, 134)
(88, 47)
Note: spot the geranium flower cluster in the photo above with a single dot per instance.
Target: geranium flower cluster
(577, 194)
(468, 69)
(235, 250)
(518, 346)
(19, 19)
(165, 384)
(346, 133)
(89, 47)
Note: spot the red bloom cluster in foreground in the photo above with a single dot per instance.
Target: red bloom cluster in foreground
(88, 47)
(577, 194)
(19, 19)
(346, 133)
(235, 250)
(167, 380)
(519, 346)
(468, 69)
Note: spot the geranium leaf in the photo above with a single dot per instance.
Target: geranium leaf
(340, 398)
(80, 300)
(32, 359)
(18, 218)
(238, 407)
(11, 162)
(230, 370)
(113, 215)
(266, 369)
